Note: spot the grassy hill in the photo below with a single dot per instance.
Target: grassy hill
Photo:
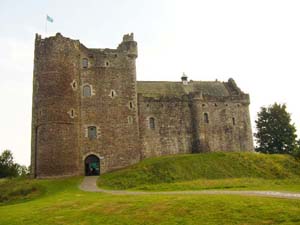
(209, 170)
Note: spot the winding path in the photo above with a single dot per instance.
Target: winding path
(89, 184)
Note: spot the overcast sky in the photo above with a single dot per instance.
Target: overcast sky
(255, 42)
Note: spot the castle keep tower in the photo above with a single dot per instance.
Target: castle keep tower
(84, 117)
(55, 130)
(91, 116)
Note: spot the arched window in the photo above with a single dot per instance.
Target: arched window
(87, 92)
(92, 132)
(206, 120)
(85, 63)
(152, 123)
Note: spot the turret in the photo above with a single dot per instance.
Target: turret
(129, 45)
(184, 79)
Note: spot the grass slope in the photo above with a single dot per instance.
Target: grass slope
(63, 203)
(18, 190)
(201, 171)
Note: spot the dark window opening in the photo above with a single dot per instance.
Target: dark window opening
(206, 118)
(92, 132)
(107, 63)
(233, 120)
(130, 105)
(87, 92)
(72, 113)
(74, 84)
(152, 123)
(92, 165)
(85, 63)
(203, 105)
(112, 94)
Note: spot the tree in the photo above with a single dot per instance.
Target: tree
(275, 133)
(8, 168)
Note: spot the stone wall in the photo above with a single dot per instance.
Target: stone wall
(172, 133)
(181, 125)
(226, 125)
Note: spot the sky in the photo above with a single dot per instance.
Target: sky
(256, 42)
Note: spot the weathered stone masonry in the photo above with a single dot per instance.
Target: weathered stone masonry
(88, 102)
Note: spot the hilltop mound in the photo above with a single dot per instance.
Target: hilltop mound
(211, 166)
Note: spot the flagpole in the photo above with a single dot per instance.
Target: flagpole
(46, 26)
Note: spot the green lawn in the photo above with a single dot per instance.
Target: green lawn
(61, 202)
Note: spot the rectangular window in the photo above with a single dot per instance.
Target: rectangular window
(92, 132)
(85, 63)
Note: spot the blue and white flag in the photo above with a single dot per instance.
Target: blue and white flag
(49, 19)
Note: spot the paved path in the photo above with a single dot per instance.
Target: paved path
(89, 184)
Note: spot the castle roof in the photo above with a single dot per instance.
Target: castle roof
(177, 89)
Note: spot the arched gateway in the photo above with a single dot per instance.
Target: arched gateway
(92, 165)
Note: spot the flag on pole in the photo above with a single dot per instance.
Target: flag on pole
(49, 19)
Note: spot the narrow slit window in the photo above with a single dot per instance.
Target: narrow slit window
(74, 84)
(233, 120)
(130, 105)
(206, 120)
(152, 123)
(112, 93)
(92, 132)
(87, 92)
(85, 63)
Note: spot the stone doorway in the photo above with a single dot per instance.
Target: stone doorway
(92, 165)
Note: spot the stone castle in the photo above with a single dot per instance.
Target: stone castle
(91, 116)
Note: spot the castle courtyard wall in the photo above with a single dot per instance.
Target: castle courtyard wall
(172, 133)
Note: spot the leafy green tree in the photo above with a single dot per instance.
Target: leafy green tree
(8, 168)
(275, 133)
